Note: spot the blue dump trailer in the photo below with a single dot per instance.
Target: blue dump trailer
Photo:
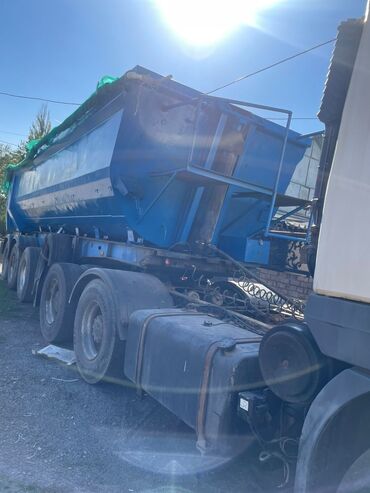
(131, 226)
(152, 161)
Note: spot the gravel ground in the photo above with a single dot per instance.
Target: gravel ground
(58, 434)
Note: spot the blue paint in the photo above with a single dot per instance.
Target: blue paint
(113, 170)
(257, 251)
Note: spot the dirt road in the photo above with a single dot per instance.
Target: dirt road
(58, 434)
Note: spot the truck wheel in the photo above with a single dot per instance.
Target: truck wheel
(5, 262)
(26, 273)
(13, 266)
(97, 347)
(56, 314)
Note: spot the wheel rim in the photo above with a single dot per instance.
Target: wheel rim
(92, 330)
(22, 275)
(52, 302)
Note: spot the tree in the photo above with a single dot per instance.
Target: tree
(38, 129)
(6, 156)
(41, 125)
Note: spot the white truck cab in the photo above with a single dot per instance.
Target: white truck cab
(335, 436)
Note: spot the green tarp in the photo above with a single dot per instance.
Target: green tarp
(35, 147)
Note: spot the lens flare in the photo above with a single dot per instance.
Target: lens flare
(205, 22)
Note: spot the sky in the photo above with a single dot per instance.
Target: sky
(59, 49)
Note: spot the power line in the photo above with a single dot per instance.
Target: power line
(12, 133)
(35, 98)
(272, 65)
(8, 143)
(239, 79)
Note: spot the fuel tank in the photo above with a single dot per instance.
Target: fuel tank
(207, 362)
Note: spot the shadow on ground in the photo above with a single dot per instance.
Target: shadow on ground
(59, 434)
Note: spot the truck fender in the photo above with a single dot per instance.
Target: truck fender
(4, 243)
(55, 248)
(22, 241)
(335, 432)
(130, 291)
(11, 241)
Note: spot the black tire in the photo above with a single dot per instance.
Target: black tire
(13, 266)
(26, 273)
(56, 314)
(5, 262)
(99, 352)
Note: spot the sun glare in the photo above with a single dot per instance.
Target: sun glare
(205, 22)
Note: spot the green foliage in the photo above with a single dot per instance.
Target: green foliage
(39, 127)
(5, 158)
